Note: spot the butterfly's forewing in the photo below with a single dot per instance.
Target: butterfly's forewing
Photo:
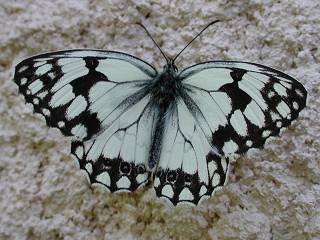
(189, 169)
(97, 97)
(239, 105)
(77, 90)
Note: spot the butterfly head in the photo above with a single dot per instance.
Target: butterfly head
(170, 67)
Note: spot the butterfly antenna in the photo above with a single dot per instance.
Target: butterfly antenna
(195, 38)
(145, 29)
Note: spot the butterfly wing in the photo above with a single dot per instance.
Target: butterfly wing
(118, 157)
(189, 168)
(239, 105)
(77, 90)
(97, 97)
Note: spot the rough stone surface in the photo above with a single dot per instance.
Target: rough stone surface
(272, 193)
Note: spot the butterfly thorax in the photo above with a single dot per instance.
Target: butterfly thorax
(166, 86)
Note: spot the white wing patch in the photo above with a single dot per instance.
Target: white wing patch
(121, 71)
(43, 69)
(62, 97)
(35, 86)
(238, 122)
(80, 131)
(221, 78)
(114, 99)
(78, 106)
(99, 89)
(254, 114)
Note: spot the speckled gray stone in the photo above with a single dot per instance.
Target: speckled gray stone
(272, 193)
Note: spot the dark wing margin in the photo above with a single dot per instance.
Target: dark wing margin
(239, 105)
(77, 90)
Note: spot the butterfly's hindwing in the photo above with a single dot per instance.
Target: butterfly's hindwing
(118, 157)
(77, 90)
(239, 105)
(189, 169)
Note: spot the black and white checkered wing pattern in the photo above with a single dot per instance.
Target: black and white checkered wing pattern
(189, 168)
(82, 91)
(239, 105)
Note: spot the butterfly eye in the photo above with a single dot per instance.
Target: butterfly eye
(172, 176)
(125, 167)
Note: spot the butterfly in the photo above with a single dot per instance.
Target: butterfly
(131, 124)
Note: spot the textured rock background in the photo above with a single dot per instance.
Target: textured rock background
(272, 193)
